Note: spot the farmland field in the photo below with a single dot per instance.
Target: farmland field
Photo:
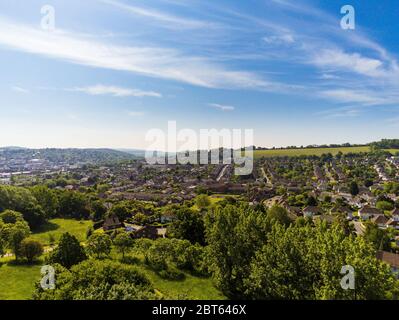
(308, 151)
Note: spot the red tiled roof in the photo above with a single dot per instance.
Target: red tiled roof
(391, 258)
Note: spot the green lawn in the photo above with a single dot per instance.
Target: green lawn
(192, 287)
(57, 227)
(17, 281)
(393, 151)
(214, 199)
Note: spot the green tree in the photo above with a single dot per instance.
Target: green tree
(10, 216)
(306, 262)
(73, 204)
(123, 243)
(68, 252)
(31, 249)
(98, 280)
(385, 205)
(12, 234)
(47, 199)
(21, 200)
(353, 188)
(98, 210)
(234, 234)
(122, 210)
(188, 225)
(141, 218)
(279, 214)
(202, 201)
(99, 245)
(2, 246)
(379, 238)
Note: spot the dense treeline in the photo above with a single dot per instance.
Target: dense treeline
(40, 203)
(386, 144)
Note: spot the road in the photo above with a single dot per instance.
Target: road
(221, 174)
(265, 176)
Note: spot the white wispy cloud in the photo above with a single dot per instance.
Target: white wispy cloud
(155, 62)
(365, 97)
(354, 62)
(343, 112)
(222, 107)
(115, 91)
(329, 76)
(169, 20)
(19, 89)
(280, 39)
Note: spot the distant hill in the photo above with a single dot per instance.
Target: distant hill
(136, 152)
(70, 156)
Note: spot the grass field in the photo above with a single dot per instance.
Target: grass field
(17, 281)
(192, 287)
(57, 227)
(214, 199)
(393, 151)
(307, 152)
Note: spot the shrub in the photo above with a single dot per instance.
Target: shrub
(31, 249)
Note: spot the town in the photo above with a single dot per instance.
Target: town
(360, 187)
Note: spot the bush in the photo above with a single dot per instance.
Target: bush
(68, 253)
(202, 201)
(99, 245)
(31, 249)
(98, 280)
(172, 274)
(384, 206)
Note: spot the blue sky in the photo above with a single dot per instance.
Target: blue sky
(113, 69)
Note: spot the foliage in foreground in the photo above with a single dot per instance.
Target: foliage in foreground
(68, 253)
(255, 257)
(98, 280)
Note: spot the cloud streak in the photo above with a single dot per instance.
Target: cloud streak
(158, 62)
(222, 107)
(19, 89)
(115, 91)
(170, 21)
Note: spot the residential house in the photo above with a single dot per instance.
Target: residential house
(342, 210)
(311, 211)
(112, 223)
(368, 212)
(380, 220)
(395, 214)
(149, 232)
(392, 259)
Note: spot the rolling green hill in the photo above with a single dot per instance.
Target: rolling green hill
(308, 151)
